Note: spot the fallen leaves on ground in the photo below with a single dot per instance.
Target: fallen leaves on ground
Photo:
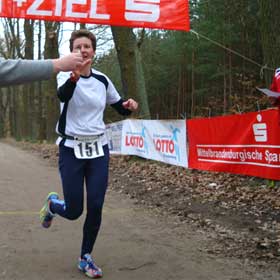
(239, 213)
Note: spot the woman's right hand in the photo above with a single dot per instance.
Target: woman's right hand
(75, 75)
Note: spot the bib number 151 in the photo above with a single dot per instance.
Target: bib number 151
(87, 150)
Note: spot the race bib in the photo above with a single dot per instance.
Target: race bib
(87, 148)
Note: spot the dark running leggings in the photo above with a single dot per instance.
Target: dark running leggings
(73, 172)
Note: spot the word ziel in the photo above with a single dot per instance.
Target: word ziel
(135, 10)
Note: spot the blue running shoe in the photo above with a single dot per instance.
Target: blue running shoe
(46, 216)
(88, 267)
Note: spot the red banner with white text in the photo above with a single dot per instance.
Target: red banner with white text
(246, 144)
(160, 14)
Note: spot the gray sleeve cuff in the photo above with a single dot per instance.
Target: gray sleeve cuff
(19, 71)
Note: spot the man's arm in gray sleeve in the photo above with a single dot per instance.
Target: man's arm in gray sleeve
(19, 71)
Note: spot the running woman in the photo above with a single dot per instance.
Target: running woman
(83, 147)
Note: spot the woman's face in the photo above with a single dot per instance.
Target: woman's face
(84, 46)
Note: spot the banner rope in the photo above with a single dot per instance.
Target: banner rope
(263, 67)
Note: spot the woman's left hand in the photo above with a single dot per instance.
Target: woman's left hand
(130, 104)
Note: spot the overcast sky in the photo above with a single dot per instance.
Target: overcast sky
(103, 34)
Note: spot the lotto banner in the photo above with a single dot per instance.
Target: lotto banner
(157, 140)
(161, 14)
(244, 144)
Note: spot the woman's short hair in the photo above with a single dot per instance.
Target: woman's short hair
(82, 33)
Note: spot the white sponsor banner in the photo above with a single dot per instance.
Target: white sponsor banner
(156, 139)
(114, 136)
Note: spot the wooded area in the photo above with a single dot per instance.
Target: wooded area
(212, 70)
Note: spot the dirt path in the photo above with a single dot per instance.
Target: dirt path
(133, 243)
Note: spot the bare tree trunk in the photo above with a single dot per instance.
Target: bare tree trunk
(16, 113)
(193, 86)
(230, 79)
(41, 116)
(4, 102)
(225, 105)
(15, 36)
(13, 44)
(28, 90)
(179, 92)
(49, 88)
(225, 94)
(132, 75)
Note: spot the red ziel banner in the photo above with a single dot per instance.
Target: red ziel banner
(161, 14)
(246, 144)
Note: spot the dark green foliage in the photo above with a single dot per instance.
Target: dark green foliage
(191, 75)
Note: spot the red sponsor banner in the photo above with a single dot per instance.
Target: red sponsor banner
(161, 14)
(246, 144)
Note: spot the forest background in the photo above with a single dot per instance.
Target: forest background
(232, 48)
